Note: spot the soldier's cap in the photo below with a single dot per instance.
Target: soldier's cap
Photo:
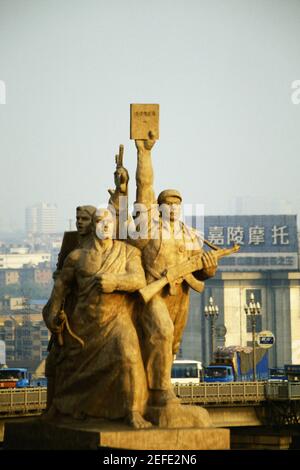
(90, 210)
(168, 193)
(103, 213)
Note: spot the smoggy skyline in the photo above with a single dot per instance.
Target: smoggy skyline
(222, 73)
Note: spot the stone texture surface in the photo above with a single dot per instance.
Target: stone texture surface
(2, 424)
(235, 416)
(68, 434)
(144, 118)
(178, 416)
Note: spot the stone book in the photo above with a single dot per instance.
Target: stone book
(144, 121)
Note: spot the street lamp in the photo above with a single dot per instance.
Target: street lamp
(211, 312)
(253, 309)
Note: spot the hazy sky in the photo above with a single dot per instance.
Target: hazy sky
(220, 70)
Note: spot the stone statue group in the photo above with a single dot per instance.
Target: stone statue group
(119, 306)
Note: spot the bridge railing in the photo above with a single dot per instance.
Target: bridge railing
(22, 401)
(283, 391)
(221, 393)
(28, 401)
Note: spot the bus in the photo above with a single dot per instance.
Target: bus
(186, 371)
(14, 377)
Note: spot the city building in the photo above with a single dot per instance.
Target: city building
(19, 307)
(2, 353)
(9, 276)
(19, 260)
(31, 220)
(23, 332)
(268, 266)
(8, 304)
(26, 340)
(41, 274)
(41, 218)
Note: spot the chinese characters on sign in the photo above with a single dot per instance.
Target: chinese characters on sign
(256, 235)
(280, 235)
(216, 235)
(267, 241)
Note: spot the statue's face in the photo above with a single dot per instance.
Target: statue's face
(173, 206)
(104, 225)
(83, 223)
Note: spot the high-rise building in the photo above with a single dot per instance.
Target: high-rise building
(31, 219)
(41, 218)
(25, 340)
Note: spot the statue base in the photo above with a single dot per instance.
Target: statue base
(68, 434)
(178, 416)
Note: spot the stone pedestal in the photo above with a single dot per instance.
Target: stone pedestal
(2, 424)
(179, 416)
(94, 434)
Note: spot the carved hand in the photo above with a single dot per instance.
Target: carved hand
(143, 145)
(121, 179)
(55, 323)
(210, 263)
(107, 282)
(121, 183)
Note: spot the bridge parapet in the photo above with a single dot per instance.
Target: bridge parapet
(32, 400)
(219, 393)
(278, 391)
(23, 401)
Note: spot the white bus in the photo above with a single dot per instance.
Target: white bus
(186, 371)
